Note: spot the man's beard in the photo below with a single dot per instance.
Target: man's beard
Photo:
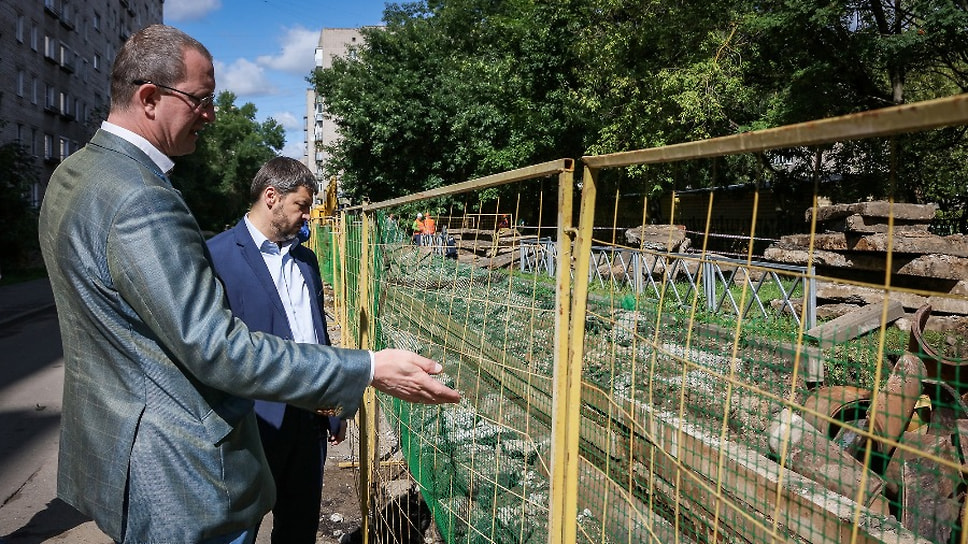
(282, 228)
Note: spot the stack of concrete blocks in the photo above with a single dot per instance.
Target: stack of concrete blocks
(858, 242)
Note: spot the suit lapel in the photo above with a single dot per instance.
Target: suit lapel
(253, 258)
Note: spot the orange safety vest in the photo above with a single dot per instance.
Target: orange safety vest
(418, 226)
(429, 226)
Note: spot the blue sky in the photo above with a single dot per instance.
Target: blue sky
(264, 49)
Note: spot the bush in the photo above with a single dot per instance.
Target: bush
(18, 217)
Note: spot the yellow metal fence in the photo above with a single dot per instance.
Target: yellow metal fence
(595, 411)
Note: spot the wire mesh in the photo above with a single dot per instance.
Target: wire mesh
(709, 403)
(482, 465)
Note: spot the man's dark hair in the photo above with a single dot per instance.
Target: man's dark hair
(285, 174)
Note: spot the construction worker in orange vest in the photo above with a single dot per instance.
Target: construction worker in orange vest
(429, 225)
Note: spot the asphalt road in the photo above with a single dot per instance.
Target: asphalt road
(31, 383)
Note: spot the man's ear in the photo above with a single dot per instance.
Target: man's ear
(147, 96)
(270, 196)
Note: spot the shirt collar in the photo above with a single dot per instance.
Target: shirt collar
(264, 244)
(160, 159)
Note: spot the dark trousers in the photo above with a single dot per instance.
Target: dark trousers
(296, 452)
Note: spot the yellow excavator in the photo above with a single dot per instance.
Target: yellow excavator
(325, 211)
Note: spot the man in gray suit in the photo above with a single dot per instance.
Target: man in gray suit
(158, 436)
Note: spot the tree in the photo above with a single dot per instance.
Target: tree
(18, 217)
(811, 61)
(215, 179)
(456, 89)
(450, 91)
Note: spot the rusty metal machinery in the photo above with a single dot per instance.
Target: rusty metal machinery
(915, 468)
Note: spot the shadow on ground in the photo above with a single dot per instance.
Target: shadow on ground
(56, 518)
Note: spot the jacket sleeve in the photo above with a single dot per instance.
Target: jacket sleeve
(156, 258)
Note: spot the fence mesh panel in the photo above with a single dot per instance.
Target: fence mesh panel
(808, 389)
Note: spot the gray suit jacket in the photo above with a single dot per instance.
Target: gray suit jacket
(158, 438)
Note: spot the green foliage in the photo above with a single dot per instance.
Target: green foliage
(18, 218)
(215, 179)
(452, 90)
(809, 61)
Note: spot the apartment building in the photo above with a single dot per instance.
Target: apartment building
(55, 71)
(320, 131)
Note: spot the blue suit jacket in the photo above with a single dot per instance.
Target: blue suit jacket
(254, 299)
(158, 440)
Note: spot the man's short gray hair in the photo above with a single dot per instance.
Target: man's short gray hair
(155, 53)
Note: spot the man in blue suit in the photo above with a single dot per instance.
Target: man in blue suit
(273, 285)
(159, 441)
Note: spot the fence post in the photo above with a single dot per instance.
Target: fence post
(709, 284)
(338, 265)
(810, 298)
(369, 448)
(570, 333)
(550, 255)
(637, 281)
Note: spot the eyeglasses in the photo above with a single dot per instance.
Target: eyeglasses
(203, 102)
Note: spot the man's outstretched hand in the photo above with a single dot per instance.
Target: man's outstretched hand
(406, 375)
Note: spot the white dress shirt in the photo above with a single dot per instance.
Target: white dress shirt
(289, 283)
(163, 161)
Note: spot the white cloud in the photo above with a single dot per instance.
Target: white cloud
(294, 149)
(298, 52)
(244, 78)
(288, 120)
(189, 10)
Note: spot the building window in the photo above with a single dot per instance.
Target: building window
(65, 148)
(51, 98)
(97, 62)
(49, 4)
(35, 195)
(34, 90)
(64, 104)
(33, 142)
(67, 58)
(34, 37)
(20, 28)
(20, 83)
(20, 134)
(48, 147)
(96, 21)
(50, 47)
